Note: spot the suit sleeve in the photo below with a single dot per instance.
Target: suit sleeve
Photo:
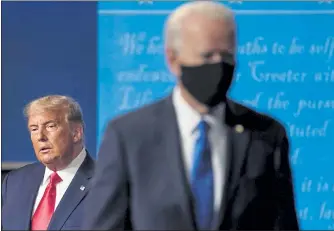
(4, 190)
(4, 187)
(107, 200)
(285, 198)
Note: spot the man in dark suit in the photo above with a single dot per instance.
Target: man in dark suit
(50, 194)
(195, 160)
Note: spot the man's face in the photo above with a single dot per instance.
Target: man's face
(51, 136)
(203, 40)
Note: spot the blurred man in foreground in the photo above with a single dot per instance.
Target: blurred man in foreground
(50, 194)
(195, 160)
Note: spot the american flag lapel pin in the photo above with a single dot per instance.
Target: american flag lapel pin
(239, 128)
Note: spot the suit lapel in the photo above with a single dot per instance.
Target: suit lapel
(174, 156)
(28, 198)
(74, 194)
(239, 138)
(240, 144)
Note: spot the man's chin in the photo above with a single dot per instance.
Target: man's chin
(47, 159)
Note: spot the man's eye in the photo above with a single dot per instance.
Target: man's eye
(51, 127)
(227, 57)
(207, 55)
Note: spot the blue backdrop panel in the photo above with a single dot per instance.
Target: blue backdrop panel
(47, 48)
(285, 69)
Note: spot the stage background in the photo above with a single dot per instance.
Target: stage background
(110, 58)
(46, 48)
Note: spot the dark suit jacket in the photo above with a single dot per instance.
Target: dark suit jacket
(140, 179)
(19, 191)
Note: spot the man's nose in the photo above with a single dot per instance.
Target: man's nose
(217, 57)
(41, 136)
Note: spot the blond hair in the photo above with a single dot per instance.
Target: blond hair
(73, 112)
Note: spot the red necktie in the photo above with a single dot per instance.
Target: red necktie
(46, 207)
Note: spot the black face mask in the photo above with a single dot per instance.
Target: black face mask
(208, 83)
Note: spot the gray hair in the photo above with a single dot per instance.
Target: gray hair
(174, 23)
(73, 112)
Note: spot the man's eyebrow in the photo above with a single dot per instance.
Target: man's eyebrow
(46, 122)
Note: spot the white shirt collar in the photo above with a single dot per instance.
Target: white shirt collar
(189, 118)
(69, 171)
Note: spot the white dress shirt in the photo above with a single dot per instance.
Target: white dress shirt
(66, 175)
(188, 119)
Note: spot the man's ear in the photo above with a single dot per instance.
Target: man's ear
(172, 61)
(77, 132)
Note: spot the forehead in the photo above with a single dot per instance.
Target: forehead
(203, 33)
(43, 116)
